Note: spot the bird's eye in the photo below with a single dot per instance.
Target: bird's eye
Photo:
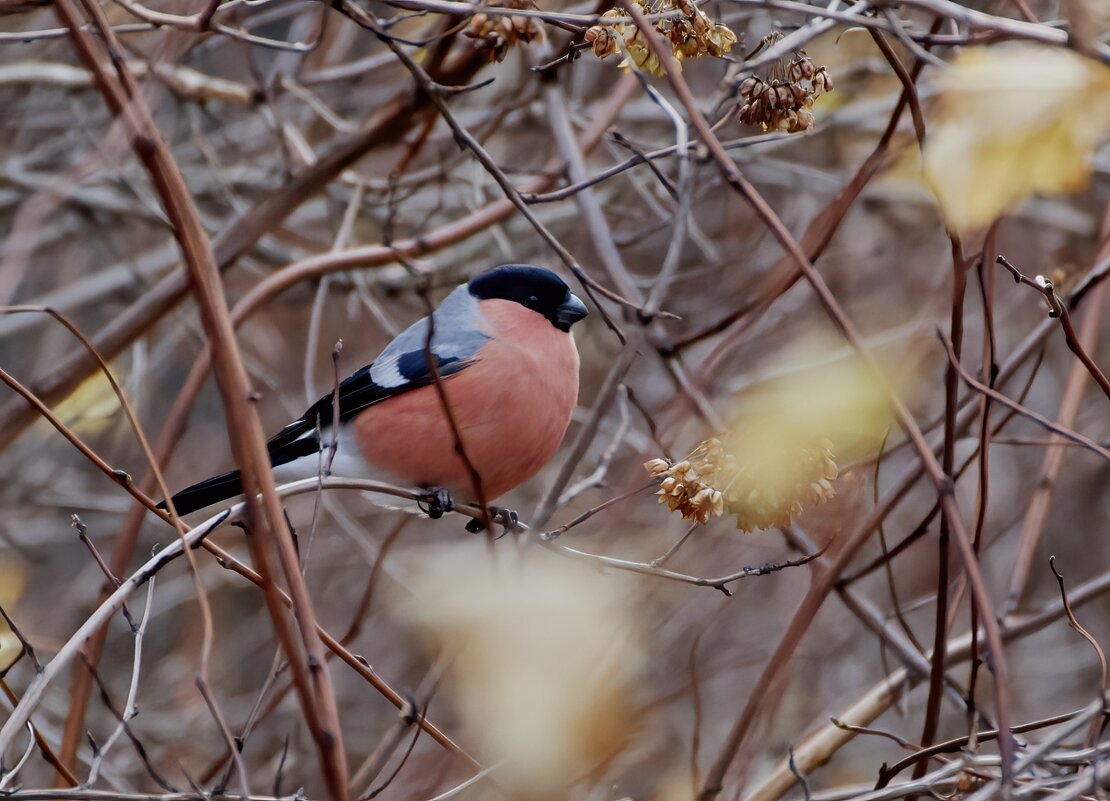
(533, 300)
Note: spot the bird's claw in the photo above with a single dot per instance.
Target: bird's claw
(435, 502)
(507, 518)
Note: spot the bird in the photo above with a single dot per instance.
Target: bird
(508, 366)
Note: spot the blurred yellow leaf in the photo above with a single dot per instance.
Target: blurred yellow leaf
(790, 432)
(91, 407)
(13, 580)
(541, 658)
(9, 647)
(1013, 120)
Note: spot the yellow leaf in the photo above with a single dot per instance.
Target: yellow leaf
(1013, 120)
(9, 647)
(13, 579)
(790, 430)
(91, 407)
(542, 656)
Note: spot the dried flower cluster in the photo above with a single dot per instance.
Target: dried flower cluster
(691, 486)
(495, 34)
(712, 480)
(690, 35)
(784, 102)
(759, 505)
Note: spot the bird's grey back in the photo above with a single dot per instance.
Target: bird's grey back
(456, 339)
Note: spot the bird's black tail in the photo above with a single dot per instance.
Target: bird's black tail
(210, 491)
(228, 485)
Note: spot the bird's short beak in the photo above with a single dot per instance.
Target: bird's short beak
(570, 311)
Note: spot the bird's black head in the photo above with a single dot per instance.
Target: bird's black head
(534, 288)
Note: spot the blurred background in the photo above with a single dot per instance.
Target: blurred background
(327, 180)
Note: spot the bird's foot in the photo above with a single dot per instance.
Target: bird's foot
(507, 518)
(435, 502)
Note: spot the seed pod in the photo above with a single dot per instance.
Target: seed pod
(764, 112)
(690, 48)
(785, 121)
(821, 82)
(720, 40)
(602, 40)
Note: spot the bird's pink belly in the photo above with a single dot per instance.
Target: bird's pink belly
(510, 426)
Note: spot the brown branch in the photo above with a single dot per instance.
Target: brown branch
(464, 138)
(951, 405)
(719, 583)
(909, 88)
(555, 533)
(923, 526)
(387, 125)
(64, 773)
(121, 717)
(198, 537)
(886, 774)
(999, 398)
(248, 443)
(1059, 309)
(1092, 736)
(84, 675)
(942, 483)
(113, 580)
(1040, 500)
(820, 231)
(819, 747)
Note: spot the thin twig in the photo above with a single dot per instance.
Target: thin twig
(1058, 309)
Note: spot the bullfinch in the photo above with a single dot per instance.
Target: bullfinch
(509, 368)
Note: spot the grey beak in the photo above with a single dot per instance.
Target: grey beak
(570, 311)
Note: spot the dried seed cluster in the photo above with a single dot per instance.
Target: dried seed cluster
(761, 505)
(690, 35)
(495, 34)
(690, 487)
(711, 481)
(784, 101)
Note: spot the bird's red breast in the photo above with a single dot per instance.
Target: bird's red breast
(512, 406)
